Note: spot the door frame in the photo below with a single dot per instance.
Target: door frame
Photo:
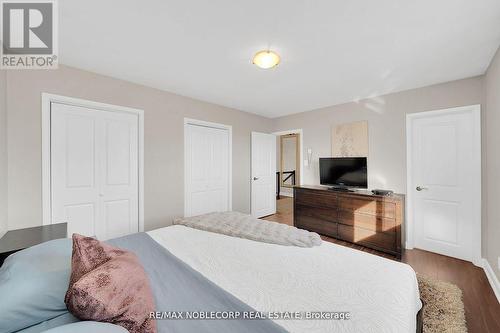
(301, 145)
(47, 100)
(229, 128)
(475, 110)
(297, 156)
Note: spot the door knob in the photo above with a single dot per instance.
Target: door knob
(420, 188)
(255, 178)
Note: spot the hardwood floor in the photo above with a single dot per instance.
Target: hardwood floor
(482, 310)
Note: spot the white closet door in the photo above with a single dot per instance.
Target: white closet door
(119, 199)
(74, 168)
(94, 171)
(207, 168)
(263, 174)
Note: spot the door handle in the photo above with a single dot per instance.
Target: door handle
(420, 188)
(255, 178)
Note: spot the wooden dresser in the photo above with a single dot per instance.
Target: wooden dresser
(359, 217)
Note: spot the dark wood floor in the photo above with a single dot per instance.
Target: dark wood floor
(482, 310)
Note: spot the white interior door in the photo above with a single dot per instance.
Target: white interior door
(445, 182)
(263, 174)
(207, 181)
(94, 171)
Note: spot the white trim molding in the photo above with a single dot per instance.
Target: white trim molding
(476, 111)
(301, 144)
(492, 278)
(229, 128)
(47, 100)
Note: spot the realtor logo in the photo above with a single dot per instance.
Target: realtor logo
(29, 39)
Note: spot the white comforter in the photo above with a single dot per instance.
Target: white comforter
(381, 295)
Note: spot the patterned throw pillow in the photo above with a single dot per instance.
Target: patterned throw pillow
(108, 284)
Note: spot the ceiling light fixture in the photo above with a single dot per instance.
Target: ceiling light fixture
(266, 59)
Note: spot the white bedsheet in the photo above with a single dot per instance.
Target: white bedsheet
(381, 295)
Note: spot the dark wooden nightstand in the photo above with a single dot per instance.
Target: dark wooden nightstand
(16, 240)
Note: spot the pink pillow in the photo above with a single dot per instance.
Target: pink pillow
(108, 284)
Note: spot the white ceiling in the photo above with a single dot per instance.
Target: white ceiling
(333, 51)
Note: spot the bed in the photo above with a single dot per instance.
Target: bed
(380, 294)
(196, 270)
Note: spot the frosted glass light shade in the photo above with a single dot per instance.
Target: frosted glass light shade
(266, 59)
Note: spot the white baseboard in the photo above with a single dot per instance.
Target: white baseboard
(492, 278)
(290, 195)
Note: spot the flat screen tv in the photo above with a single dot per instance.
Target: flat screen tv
(343, 172)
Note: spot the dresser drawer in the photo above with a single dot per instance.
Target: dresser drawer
(368, 206)
(358, 217)
(316, 199)
(366, 221)
(378, 240)
(327, 214)
(317, 225)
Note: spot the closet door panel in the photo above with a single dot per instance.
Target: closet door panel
(94, 171)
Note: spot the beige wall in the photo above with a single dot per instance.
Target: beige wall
(286, 191)
(3, 156)
(289, 160)
(290, 153)
(164, 164)
(491, 175)
(386, 127)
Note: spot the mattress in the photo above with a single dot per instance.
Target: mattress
(379, 294)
